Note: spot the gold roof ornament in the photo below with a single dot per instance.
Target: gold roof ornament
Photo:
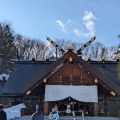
(70, 48)
(28, 92)
(118, 59)
(70, 59)
(89, 59)
(96, 80)
(112, 93)
(47, 59)
(103, 59)
(45, 80)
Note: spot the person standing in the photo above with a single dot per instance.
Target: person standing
(37, 115)
(76, 107)
(53, 115)
(91, 110)
(68, 111)
(56, 108)
(62, 106)
(2, 113)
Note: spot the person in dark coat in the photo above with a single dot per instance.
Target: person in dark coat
(76, 108)
(2, 113)
(37, 115)
(91, 110)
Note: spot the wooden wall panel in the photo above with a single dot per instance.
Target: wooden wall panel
(70, 74)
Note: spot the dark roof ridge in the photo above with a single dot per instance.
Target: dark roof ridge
(33, 62)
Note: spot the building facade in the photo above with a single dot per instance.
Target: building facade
(89, 86)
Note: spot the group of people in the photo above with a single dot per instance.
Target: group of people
(38, 115)
(52, 116)
(35, 116)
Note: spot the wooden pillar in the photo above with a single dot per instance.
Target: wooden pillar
(46, 107)
(40, 104)
(21, 99)
(105, 106)
(96, 109)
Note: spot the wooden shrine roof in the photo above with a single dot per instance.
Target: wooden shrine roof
(26, 75)
(22, 73)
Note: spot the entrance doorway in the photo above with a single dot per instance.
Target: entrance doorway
(75, 107)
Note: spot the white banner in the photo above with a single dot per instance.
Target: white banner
(80, 93)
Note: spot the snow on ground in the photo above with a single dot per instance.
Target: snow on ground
(14, 111)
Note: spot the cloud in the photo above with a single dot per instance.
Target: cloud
(88, 15)
(61, 25)
(88, 30)
(77, 32)
(69, 21)
(89, 24)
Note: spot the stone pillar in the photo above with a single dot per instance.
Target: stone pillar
(46, 107)
(96, 109)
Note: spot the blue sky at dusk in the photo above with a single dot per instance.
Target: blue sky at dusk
(76, 20)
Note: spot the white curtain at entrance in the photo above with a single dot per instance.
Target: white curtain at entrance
(80, 93)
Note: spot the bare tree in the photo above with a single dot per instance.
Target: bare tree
(30, 48)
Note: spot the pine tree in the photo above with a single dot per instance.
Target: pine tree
(7, 48)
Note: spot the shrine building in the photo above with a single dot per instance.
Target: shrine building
(66, 80)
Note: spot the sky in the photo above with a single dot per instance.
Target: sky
(76, 20)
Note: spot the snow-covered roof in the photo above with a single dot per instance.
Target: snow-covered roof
(4, 77)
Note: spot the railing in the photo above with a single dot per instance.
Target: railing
(73, 114)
